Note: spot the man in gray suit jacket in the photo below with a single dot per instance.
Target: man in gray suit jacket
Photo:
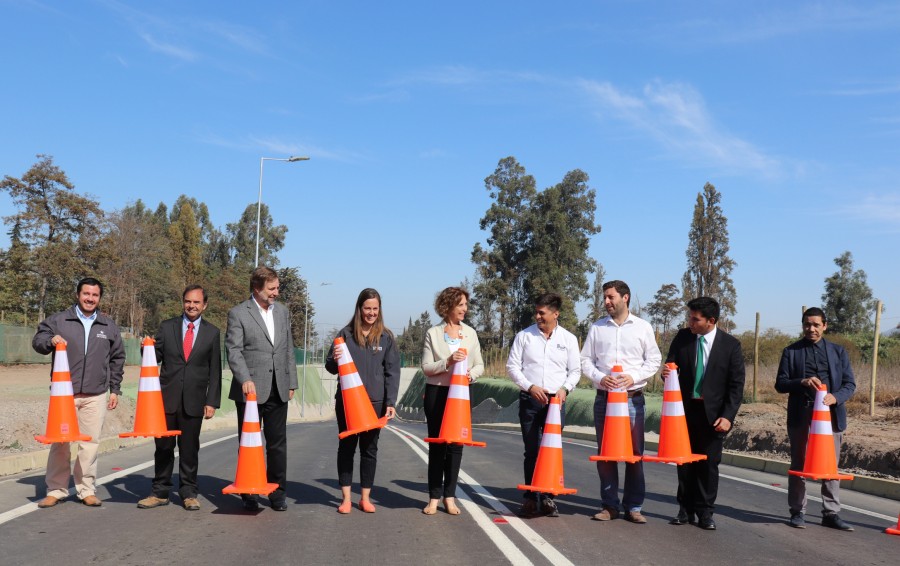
(260, 349)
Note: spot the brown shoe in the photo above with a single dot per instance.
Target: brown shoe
(151, 501)
(91, 501)
(606, 514)
(48, 501)
(191, 504)
(635, 517)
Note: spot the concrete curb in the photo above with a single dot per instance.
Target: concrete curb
(879, 487)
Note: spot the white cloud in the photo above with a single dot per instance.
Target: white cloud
(884, 208)
(273, 146)
(169, 49)
(676, 116)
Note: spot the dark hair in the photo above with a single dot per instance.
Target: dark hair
(355, 323)
(551, 300)
(621, 287)
(706, 306)
(89, 281)
(260, 276)
(447, 299)
(190, 288)
(813, 311)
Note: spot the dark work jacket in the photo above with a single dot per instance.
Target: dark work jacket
(378, 366)
(723, 381)
(792, 370)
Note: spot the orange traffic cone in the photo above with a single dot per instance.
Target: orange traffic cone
(674, 442)
(150, 415)
(251, 467)
(821, 461)
(896, 531)
(358, 410)
(62, 423)
(616, 443)
(548, 470)
(456, 428)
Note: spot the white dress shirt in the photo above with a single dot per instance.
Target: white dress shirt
(707, 346)
(550, 363)
(268, 316)
(631, 345)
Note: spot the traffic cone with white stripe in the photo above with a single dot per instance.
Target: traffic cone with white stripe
(62, 422)
(251, 467)
(548, 470)
(358, 410)
(150, 414)
(456, 427)
(821, 461)
(674, 442)
(616, 443)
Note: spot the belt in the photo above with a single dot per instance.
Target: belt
(633, 393)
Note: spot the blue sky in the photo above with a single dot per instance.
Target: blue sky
(791, 109)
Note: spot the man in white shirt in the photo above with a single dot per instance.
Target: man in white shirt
(543, 362)
(626, 340)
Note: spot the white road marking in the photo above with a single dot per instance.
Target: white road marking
(538, 542)
(33, 506)
(742, 480)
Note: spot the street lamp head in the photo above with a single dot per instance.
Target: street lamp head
(298, 158)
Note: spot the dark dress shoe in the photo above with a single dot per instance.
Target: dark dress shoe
(706, 523)
(279, 505)
(251, 503)
(798, 521)
(835, 522)
(683, 518)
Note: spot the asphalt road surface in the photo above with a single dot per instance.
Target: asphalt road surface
(751, 515)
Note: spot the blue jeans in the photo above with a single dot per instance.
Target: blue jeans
(633, 497)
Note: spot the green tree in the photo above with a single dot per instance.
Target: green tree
(294, 292)
(499, 273)
(596, 306)
(243, 239)
(666, 307)
(59, 227)
(847, 299)
(184, 239)
(17, 278)
(412, 339)
(709, 266)
(559, 227)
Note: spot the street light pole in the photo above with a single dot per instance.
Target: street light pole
(259, 198)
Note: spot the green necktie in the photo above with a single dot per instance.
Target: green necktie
(698, 376)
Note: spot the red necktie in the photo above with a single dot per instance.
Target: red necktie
(188, 340)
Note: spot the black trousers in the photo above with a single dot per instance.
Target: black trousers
(188, 455)
(698, 482)
(532, 416)
(368, 448)
(443, 459)
(273, 419)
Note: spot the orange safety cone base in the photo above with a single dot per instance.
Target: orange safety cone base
(456, 441)
(380, 423)
(264, 489)
(628, 459)
(149, 434)
(892, 531)
(815, 476)
(68, 438)
(676, 459)
(563, 491)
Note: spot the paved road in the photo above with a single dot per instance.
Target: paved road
(751, 515)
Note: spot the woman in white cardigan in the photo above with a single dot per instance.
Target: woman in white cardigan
(442, 349)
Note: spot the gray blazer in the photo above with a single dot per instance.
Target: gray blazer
(252, 356)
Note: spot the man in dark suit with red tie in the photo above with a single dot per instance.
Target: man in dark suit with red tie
(711, 375)
(191, 382)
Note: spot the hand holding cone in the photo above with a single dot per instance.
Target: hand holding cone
(150, 415)
(616, 443)
(358, 410)
(821, 461)
(456, 427)
(62, 422)
(674, 442)
(548, 470)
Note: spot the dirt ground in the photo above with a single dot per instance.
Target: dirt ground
(871, 444)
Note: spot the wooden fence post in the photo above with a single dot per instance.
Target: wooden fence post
(875, 359)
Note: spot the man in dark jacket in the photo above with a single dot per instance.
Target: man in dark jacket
(191, 381)
(711, 375)
(805, 365)
(96, 362)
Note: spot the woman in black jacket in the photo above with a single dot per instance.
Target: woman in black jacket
(377, 360)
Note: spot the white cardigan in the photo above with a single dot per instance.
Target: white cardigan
(436, 352)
